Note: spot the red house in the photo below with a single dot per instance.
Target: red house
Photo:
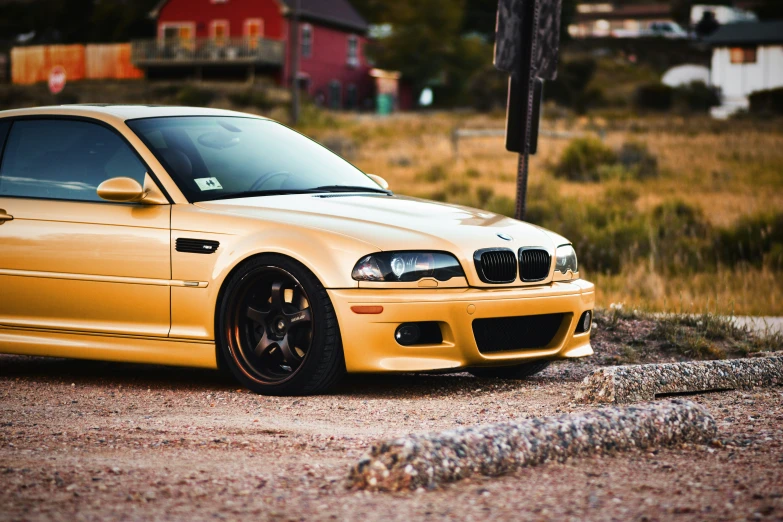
(257, 37)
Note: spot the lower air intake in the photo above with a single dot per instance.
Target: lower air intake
(508, 334)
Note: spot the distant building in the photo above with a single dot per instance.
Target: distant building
(253, 37)
(618, 19)
(746, 57)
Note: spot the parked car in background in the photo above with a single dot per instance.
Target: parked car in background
(671, 30)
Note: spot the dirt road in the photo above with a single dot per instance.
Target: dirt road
(101, 441)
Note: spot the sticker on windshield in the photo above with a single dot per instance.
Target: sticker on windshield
(208, 184)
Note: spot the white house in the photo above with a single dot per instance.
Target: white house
(746, 57)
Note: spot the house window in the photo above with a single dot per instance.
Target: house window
(254, 28)
(353, 50)
(307, 41)
(218, 30)
(254, 31)
(178, 34)
(743, 55)
(335, 95)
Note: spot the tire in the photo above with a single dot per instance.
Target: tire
(274, 346)
(520, 371)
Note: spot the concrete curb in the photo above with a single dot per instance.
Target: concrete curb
(429, 460)
(624, 384)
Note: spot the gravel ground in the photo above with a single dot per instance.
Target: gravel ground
(102, 441)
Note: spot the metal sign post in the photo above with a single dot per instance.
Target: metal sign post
(527, 46)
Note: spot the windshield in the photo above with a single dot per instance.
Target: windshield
(230, 157)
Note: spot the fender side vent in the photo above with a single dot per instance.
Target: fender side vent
(197, 246)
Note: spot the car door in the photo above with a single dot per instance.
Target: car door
(70, 261)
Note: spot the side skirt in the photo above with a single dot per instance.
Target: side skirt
(50, 343)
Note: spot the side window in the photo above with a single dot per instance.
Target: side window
(61, 159)
(353, 50)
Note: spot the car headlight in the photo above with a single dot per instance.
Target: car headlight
(407, 266)
(566, 260)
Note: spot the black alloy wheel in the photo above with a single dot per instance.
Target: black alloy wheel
(278, 330)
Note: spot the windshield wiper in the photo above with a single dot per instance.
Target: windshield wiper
(352, 188)
(286, 192)
(257, 193)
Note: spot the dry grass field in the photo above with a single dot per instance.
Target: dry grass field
(720, 173)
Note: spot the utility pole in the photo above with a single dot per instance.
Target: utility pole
(295, 53)
(527, 42)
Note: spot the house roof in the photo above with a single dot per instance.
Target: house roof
(769, 32)
(334, 12)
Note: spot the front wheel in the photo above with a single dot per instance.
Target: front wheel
(277, 331)
(519, 371)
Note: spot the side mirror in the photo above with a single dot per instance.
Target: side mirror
(380, 181)
(128, 190)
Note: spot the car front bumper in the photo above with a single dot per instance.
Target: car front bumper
(370, 346)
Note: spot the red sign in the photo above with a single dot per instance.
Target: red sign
(57, 79)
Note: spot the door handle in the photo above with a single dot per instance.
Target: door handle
(5, 217)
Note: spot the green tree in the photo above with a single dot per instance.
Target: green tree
(480, 16)
(374, 11)
(770, 10)
(77, 21)
(425, 42)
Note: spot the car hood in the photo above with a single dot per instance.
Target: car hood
(393, 222)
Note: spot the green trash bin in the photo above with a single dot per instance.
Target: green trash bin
(385, 104)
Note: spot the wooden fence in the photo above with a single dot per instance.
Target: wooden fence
(95, 62)
(112, 61)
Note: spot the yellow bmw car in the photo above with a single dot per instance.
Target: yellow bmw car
(216, 239)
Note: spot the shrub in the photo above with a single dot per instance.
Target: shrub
(570, 88)
(638, 160)
(582, 158)
(457, 188)
(313, 117)
(340, 145)
(483, 195)
(432, 175)
(164, 91)
(696, 97)
(13, 96)
(754, 239)
(251, 98)
(502, 205)
(654, 97)
(488, 89)
(681, 237)
(606, 234)
(767, 102)
(194, 97)
(66, 98)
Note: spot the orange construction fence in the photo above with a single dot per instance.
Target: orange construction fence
(95, 62)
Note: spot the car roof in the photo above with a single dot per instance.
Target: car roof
(121, 112)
